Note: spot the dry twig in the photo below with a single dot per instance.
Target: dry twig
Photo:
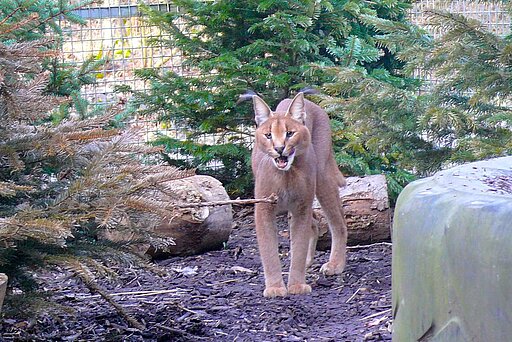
(357, 247)
(353, 295)
(83, 273)
(272, 199)
(375, 314)
(143, 293)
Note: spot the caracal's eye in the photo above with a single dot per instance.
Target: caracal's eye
(289, 134)
(268, 135)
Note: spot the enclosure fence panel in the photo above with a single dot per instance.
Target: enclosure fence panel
(116, 29)
(120, 34)
(491, 15)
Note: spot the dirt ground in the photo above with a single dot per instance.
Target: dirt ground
(217, 296)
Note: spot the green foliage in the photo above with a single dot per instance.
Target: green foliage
(470, 111)
(232, 158)
(67, 80)
(271, 47)
(365, 56)
(65, 182)
(38, 20)
(376, 110)
(392, 122)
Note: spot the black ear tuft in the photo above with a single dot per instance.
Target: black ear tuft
(247, 96)
(309, 91)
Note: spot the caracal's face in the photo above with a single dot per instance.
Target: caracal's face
(281, 135)
(282, 138)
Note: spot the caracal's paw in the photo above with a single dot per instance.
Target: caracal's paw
(272, 292)
(331, 268)
(299, 289)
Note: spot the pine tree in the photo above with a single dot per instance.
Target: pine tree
(403, 125)
(375, 112)
(63, 182)
(470, 111)
(271, 47)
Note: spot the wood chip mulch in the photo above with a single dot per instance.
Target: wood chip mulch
(217, 296)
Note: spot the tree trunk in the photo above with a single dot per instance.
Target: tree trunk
(367, 211)
(3, 289)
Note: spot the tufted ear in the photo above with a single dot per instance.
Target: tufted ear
(296, 108)
(261, 110)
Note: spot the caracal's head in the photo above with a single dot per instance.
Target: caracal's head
(281, 135)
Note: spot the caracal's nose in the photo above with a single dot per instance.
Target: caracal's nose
(279, 149)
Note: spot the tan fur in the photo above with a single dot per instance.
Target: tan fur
(310, 169)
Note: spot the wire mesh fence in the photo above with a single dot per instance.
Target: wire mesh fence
(119, 33)
(494, 17)
(117, 30)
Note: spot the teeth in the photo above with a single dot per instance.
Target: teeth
(281, 161)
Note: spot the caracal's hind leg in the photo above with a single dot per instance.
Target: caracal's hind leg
(312, 242)
(327, 193)
(310, 258)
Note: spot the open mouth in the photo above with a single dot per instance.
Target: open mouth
(281, 162)
(285, 162)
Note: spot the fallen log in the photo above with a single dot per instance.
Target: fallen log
(367, 212)
(196, 228)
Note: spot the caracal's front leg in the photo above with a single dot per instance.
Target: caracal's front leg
(301, 232)
(266, 233)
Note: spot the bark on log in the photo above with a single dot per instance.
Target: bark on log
(200, 229)
(3, 289)
(367, 211)
(194, 229)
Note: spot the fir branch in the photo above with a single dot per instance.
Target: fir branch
(16, 26)
(145, 204)
(153, 180)
(10, 15)
(9, 189)
(92, 134)
(39, 228)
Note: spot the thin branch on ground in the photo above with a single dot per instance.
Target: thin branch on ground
(376, 314)
(357, 247)
(83, 273)
(272, 199)
(353, 295)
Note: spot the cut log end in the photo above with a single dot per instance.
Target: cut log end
(367, 212)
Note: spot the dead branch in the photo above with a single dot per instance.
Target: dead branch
(143, 293)
(354, 295)
(82, 273)
(272, 199)
(358, 247)
(376, 314)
